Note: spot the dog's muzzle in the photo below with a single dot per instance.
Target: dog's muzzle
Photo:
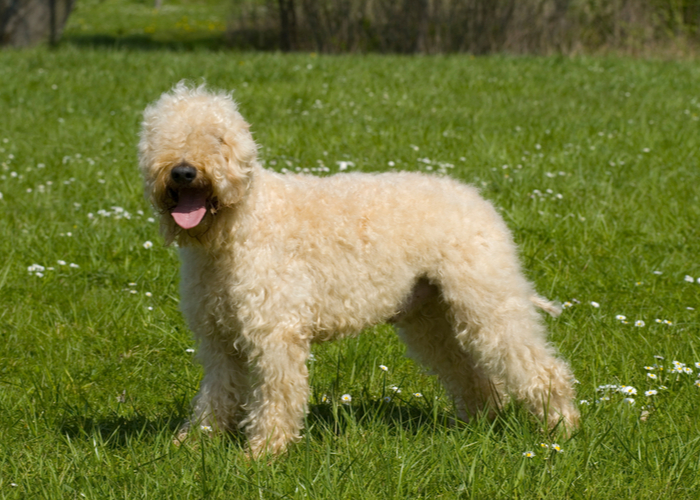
(191, 204)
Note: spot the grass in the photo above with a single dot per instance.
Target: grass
(95, 379)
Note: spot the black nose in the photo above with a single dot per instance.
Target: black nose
(183, 174)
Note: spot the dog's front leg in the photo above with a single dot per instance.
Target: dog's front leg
(225, 386)
(280, 392)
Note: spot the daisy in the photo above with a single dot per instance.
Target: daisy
(595, 304)
(147, 245)
(651, 376)
(620, 317)
(584, 402)
(529, 454)
(629, 401)
(689, 279)
(205, 428)
(383, 368)
(346, 399)
(556, 448)
(639, 322)
(395, 389)
(417, 395)
(650, 393)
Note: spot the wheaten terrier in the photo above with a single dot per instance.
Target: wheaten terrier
(272, 263)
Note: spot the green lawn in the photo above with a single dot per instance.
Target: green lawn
(593, 161)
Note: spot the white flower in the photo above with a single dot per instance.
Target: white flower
(346, 399)
(149, 294)
(61, 262)
(651, 375)
(629, 401)
(557, 448)
(190, 350)
(639, 323)
(584, 402)
(343, 165)
(628, 389)
(417, 395)
(383, 368)
(529, 454)
(567, 304)
(650, 393)
(147, 245)
(395, 389)
(595, 304)
(620, 317)
(689, 279)
(205, 428)
(73, 265)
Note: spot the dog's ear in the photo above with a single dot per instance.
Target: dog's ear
(239, 153)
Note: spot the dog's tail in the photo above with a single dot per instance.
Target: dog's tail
(552, 308)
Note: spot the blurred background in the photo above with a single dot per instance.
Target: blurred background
(334, 26)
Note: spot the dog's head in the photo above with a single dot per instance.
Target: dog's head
(196, 155)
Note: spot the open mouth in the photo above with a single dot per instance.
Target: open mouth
(191, 206)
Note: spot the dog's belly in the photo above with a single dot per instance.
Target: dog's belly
(342, 318)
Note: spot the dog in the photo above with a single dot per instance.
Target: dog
(272, 263)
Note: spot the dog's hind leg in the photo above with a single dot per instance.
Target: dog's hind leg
(430, 339)
(495, 320)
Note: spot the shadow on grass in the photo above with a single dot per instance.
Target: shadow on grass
(115, 430)
(147, 43)
(177, 42)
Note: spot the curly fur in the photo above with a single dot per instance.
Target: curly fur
(281, 261)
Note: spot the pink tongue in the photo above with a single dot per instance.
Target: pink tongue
(191, 208)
